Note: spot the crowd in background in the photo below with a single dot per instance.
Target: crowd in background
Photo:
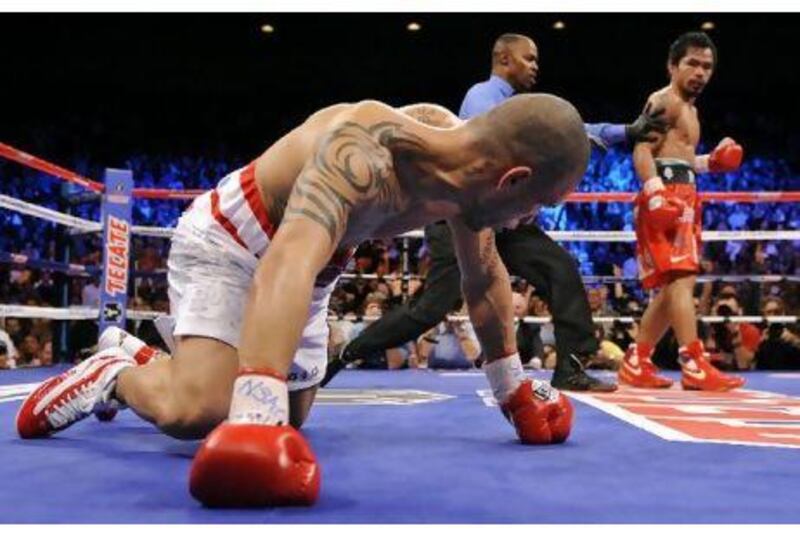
(25, 342)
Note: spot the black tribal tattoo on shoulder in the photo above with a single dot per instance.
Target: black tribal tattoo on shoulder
(352, 165)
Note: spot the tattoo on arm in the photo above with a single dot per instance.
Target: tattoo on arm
(352, 166)
(488, 252)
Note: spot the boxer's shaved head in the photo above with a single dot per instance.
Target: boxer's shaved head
(540, 149)
(546, 133)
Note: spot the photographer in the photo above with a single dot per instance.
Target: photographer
(780, 344)
(735, 342)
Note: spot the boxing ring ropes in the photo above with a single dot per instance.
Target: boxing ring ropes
(78, 225)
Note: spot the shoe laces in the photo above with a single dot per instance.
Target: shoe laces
(78, 404)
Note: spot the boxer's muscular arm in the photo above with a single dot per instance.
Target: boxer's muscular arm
(486, 288)
(432, 115)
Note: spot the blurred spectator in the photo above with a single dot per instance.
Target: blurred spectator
(90, 294)
(29, 351)
(342, 331)
(612, 171)
(8, 352)
(450, 345)
(780, 344)
(538, 308)
(735, 343)
(529, 341)
(609, 354)
(45, 355)
(16, 328)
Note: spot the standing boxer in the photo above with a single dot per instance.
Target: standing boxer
(668, 222)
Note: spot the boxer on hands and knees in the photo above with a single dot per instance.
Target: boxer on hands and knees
(254, 261)
(668, 222)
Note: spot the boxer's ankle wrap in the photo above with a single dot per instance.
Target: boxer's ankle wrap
(260, 396)
(505, 375)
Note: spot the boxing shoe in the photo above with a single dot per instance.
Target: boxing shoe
(255, 458)
(131, 344)
(637, 370)
(73, 395)
(539, 413)
(697, 372)
(114, 337)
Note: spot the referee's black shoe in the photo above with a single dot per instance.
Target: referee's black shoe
(573, 377)
(338, 364)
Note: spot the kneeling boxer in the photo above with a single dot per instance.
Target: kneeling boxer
(254, 261)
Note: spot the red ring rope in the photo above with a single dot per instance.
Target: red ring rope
(31, 161)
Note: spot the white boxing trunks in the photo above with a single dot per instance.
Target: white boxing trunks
(215, 250)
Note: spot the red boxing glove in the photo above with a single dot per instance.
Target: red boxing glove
(540, 414)
(664, 208)
(253, 465)
(726, 157)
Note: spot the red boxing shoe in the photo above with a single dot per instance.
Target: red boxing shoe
(697, 373)
(637, 370)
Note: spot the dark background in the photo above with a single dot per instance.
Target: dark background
(108, 85)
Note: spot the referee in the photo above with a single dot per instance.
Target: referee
(526, 250)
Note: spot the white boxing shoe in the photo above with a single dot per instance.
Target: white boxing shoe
(73, 395)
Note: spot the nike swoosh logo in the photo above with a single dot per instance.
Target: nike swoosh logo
(679, 258)
(696, 374)
(636, 371)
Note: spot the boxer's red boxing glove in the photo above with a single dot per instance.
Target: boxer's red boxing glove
(539, 413)
(726, 157)
(664, 208)
(253, 465)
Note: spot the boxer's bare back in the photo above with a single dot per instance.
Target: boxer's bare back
(349, 169)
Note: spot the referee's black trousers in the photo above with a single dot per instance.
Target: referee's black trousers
(528, 253)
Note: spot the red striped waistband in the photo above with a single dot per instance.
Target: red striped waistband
(245, 187)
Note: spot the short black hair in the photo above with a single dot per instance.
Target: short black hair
(505, 40)
(692, 39)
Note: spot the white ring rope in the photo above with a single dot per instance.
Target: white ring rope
(83, 225)
(50, 215)
(153, 231)
(68, 313)
(89, 313)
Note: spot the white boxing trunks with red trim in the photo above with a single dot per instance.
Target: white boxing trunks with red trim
(214, 254)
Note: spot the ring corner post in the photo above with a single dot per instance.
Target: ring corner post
(117, 225)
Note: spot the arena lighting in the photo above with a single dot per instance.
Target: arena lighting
(266, 28)
(559, 25)
(413, 26)
(708, 25)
